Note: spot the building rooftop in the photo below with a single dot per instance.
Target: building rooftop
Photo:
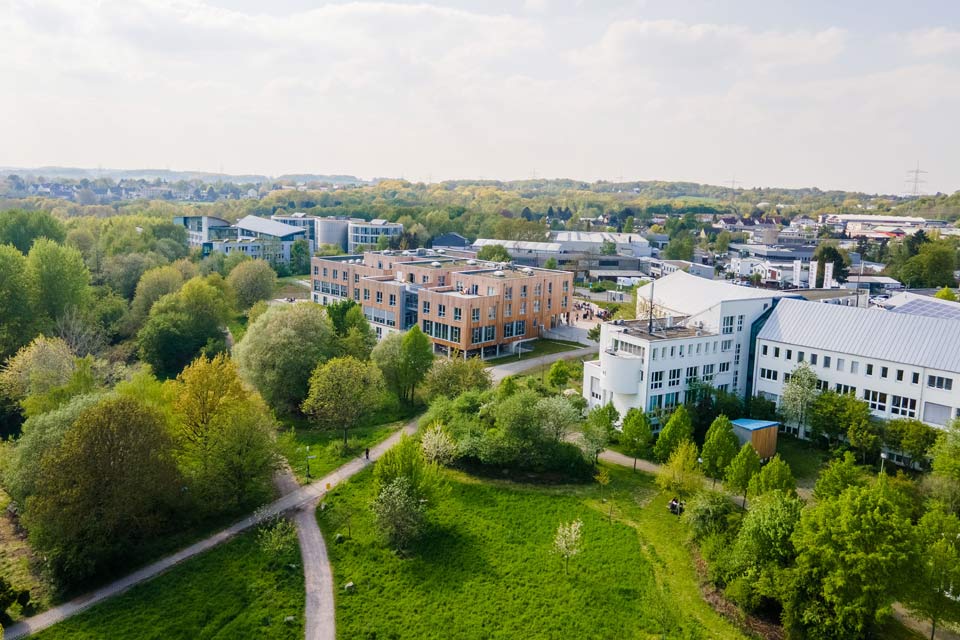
(918, 305)
(871, 333)
(599, 236)
(684, 294)
(267, 226)
(663, 329)
(754, 425)
(519, 245)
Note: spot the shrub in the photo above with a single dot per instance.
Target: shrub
(708, 513)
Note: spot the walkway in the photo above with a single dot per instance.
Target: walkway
(308, 494)
(319, 618)
(500, 371)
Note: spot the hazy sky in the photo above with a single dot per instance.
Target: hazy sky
(778, 93)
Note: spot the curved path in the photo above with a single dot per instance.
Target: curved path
(305, 495)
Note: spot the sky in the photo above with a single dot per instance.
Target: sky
(848, 95)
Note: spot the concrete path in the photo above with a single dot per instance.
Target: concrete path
(308, 494)
(500, 371)
(319, 618)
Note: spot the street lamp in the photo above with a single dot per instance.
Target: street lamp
(883, 458)
(309, 458)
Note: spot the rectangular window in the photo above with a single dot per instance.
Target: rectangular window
(883, 372)
(489, 333)
(475, 315)
(724, 367)
(508, 293)
(915, 379)
(324, 272)
(776, 352)
(902, 406)
(799, 356)
(939, 382)
(691, 374)
(769, 374)
(869, 369)
(477, 335)
(366, 294)
(335, 276)
(844, 389)
(822, 385)
(426, 307)
(393, 300)
(739, 323)
(441, 311)
(379, 297)
(727, 325)
(763, 350)
(523, 309)
(789, 354)
(854, 366)
(674, 379)
(508, 330)
(457, 313)
(727, 345)
(813, 359)
(536, 306)
(826, 362)
(523, 291)
(656, 380)
(876, 400)
(708, 373)
(508, 310)
(356, 294)
(356, 278)
(492, 313)
(899, 375)
(840, 364)
(521, 327)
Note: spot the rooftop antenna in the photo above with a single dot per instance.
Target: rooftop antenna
(913, 177)
(650, 314)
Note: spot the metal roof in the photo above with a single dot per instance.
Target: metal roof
(930, 307)
(753, 425)
(870, 333)
(686, 294)
(522, 245)
(268, 227)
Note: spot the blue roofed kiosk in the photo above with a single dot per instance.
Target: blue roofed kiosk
(762, 434)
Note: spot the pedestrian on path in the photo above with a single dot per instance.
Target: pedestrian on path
(366, 453)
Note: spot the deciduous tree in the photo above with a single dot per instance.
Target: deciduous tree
(720, 447)
(681, 474)
(742, 468)
(449, 377)
(252, 281)
(678, 428)
(637, 436)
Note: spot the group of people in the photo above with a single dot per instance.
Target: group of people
(676, 506)
(586, 311)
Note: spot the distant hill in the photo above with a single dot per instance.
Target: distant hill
(79, 173)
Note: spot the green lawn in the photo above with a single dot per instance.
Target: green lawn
(291, 287)
(540, 347)
(238, 326)
(804, 458)
(486, 569)
(296, 434)
(233, 591)
(19, 565)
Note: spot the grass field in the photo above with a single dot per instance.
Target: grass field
(485, 570)
(291, 287)
(804, 458)
(296, 434)
(541, 347)
(19, 565)
(233, 591)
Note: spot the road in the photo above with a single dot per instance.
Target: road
(500, 371)
(308, 494)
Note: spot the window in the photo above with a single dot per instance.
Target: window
(316, 270)
(441, 311)
(789, 354)
(902, 406)
(507, 309)
(916, 378)
(356, 278)
(523, 309)
(457, 313)
(899, 375)
(477, 335)
(826, 362)
(656, 380)
(876, 400)
(521, 327)
(691, 375)
(508, 293)
(566, 285)
(839, 364)
(844, 389)
(822, 385)
(799, 356)
(869, 369)
(426, 307)
(786, 377)
(508, 330)
(366, 294)
(489, 333)
(939, 382)
(356, 294)
(549, 288)
(727, 325)
(727, 345)
(536, 306)
(674, 380)
(393, 300)
(769, 374)
(776, 352)
(883, 372)
(492, 313)
(335, 276)
(739, 323)
(324, 272)
(854, 366)
(475, 315)
(724, 367)
(763, 350)
(379, 297)
(708, 372)
(813, 359)
(523, 291)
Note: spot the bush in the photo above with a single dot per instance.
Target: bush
(708, 513)
(400, 514)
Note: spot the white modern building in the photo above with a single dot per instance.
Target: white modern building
(695, 330)
(903, 365)
(320, 230)
(629, 244)
(362, 234)
(253, 236)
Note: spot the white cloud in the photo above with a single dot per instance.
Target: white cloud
(933, 42)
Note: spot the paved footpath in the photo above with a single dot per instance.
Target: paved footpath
(500, 371)
(308, 494)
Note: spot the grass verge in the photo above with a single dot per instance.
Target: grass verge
(234, 591)
(540, 347)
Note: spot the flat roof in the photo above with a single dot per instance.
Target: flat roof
(267, 226)
(754, 425)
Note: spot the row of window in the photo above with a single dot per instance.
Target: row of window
(693, 374)
(689, 350)
(441, 331)
(727, 324)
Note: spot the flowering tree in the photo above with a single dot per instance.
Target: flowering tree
(567, 542)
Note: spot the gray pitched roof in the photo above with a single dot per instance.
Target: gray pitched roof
(268, 227)
(871, 333)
